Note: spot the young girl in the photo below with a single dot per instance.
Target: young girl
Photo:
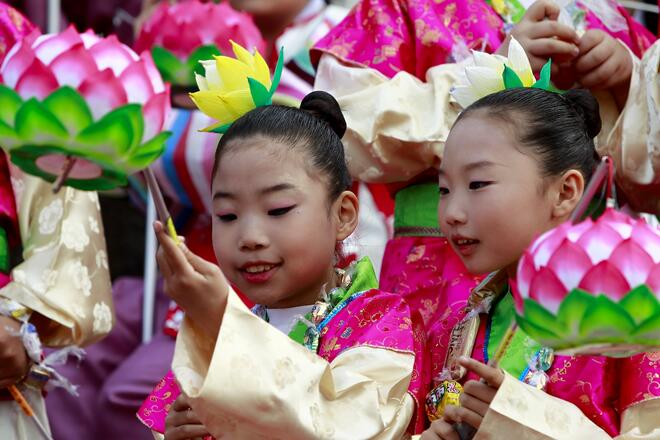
(515, 165)
(352, 364)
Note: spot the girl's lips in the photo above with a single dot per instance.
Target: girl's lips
(261, 275)
(465, 246)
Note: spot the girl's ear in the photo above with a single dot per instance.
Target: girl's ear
(570, 188)
(346, 209)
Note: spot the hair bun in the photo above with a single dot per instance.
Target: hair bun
(587, 106)
(325, 107)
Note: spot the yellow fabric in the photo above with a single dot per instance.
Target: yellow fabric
(64, 275)
(255, 382)
(521, 411)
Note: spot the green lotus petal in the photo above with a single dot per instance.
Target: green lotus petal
(8, 137)
(277, 75)
(544, 77)
(170, 67)
(606, 321)
(193, 64)
(260, 94)
(536, 314)
(572, 309)
(71, 108)
(648, 331)
(10, 102)
(38, 125)
(511, 78)
(148, 152)
(540, 334)
(640, 303)
(133, 112)
(111, 137)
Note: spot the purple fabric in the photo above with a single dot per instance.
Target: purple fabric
(116, 375)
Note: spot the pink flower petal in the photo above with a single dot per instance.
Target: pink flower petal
(17, 62)
(73, 66)
(653, 280)
(547, 289)
(575, 231)
(632, 261)
(53, 45)
(89, 38)
(37, 81)
(136, 83)
(155, 111)
(518, 299)
(525, 272)
(103, 92)
(110, 53)
(153, 73)
(648, 238)
(570, 262)
(546, 244)
(606, 279)
(599, 241)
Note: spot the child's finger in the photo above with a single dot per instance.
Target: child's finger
(479, 390)
(199, 264)
(186, 432)
(594, 58)
(461, 414)
(181, 403)
(603, 77)
(163, 265)
(552, 48)
(552, 29)
(493, 376)
(440, 430)
(541, 10)
(591, 39)
(178, 264)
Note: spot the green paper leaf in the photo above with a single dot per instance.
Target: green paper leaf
(648, 331)
(219, 129)
(133, 113)
(10, 102)
(8, 137)
(169, 66)
(277, 75)
(202, 53)
(148, 152)
(109, 138)
(541, 335)
(640, 303)
(260, 94)
(606, 321)
(536, 314)
(38, 125)
(572, 309)
(71, 108)
(544, 77)
(511, 78)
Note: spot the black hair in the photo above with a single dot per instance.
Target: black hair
(317, 126)
(558, 128)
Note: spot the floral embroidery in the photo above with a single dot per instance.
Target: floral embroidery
(81, 279)
(74, 235)
(284, 372)
(50, 216)
(101, 259)
(93, 225)
(49, 277)
(102, 318)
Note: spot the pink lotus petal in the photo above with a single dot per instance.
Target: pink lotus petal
(653, 280)
(73, 66)
(89, 38)
(526, 271)
(55, 44)
(546, 245)
(110, 53)
(599, 241)
(547, 289)
(632, 261)
(103, 92)
(575, 231)
(155, 111)
(184, 41)
(136, 83)
(605, 278)
(648, 238)
(570, 262)
(153, 73)
(17, 62)
(37, 81)
(611, 215)
(518, 299)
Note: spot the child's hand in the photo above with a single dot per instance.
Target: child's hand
(182, 423)
(476, 396)
(14, 361)
(440, 430)
(604, 63)
(542, 37)
(198, 286)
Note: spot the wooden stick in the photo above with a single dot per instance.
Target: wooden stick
(163, 214)
(27, 409)
(66, 169)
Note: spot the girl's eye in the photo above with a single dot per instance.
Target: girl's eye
(479, 184)
(226, 218)
(280, 211)
(443, 191)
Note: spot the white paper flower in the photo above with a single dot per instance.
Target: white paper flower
(102, 318)
(102, 259)
(484, 76)
(74, 235)
(81, 280)
(50, 216)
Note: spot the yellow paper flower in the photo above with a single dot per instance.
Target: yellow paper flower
(485, 77)
(231, 87)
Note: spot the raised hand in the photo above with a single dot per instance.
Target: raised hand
(182, 422)
(14, 361)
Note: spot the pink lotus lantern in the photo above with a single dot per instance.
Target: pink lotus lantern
(182, 34)
(85, 110)
(592, 287)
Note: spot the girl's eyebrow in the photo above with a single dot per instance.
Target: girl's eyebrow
(471, 166)
(265, 191)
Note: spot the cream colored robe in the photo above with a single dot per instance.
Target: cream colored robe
(64, 277)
